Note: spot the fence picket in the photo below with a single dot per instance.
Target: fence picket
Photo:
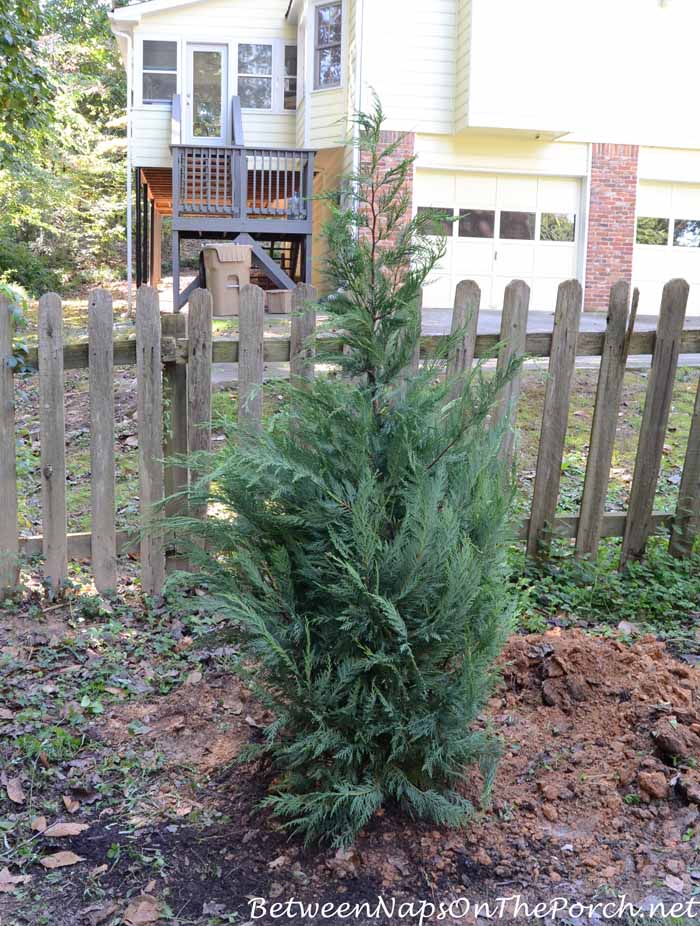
(516, 301)
(657, 405)
(250, 359)
(301, 350)
(562, 363)
(175, 384)
(53, 441)
(199, 377)
(686, 524)
(150, 433)
(102, 476)
(465, 315)
(9, 542)
(604, 426)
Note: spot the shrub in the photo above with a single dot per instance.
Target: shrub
(358, 544)
(19, 264)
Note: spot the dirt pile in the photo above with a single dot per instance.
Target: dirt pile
(602, 743)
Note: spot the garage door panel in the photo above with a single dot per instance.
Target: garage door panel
(654, 265)
(482, 281)
(434, 188)
(499, 285)
(437, 292)
(544, 293)
(558, 194)
(473, 256)
(517, 193)
(515, 257)
(556, 260)
(475, 191)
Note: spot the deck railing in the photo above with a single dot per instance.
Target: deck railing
(242, 183)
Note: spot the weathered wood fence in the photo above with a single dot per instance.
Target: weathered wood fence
(173, 355)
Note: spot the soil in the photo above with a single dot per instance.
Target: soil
(597, 793)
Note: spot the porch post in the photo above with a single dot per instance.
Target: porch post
(156, 246)
(176, 271)
(139, 265)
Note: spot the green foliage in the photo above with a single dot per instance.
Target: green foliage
(17, 300)
(62, 192)
(660, 593)
(25, 84)
(357, 544)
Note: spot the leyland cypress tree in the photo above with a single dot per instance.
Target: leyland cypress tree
(358, 543)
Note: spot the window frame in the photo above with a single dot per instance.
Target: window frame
(295, 77)
(142, 70)
(278, 78)
(270, 43)
(316, 83)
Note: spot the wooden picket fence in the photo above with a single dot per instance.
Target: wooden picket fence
(173, 356)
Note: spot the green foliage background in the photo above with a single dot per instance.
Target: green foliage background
(62, 145)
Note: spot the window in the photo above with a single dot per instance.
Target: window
(441, 224)
(557, 226)
(290, 77)
(255, 76)
(159, 71)
(518, 225)
(328, 45)
(686, 233)
(476, 223)
(652, 230)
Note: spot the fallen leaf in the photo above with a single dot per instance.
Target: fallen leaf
(98, 914)
(252, 722)
(194, 678)
(14, 791)
(71, 805)
(182, 811)
(66, 829)
(100, 870)
(6, 713)
(8, 882)
(150, 887)
(142, 909)
(675, 884)
(61, 860)
(39, 824)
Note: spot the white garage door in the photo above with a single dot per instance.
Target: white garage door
(509, 227)
(667, 242)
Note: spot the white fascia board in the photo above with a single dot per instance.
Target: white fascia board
(136, 12)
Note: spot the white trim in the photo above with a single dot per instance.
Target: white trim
(190, 49)
(311, 28)
(135, 12)
(585, 204)
(526, 172)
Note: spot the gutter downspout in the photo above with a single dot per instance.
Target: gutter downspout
(129, 166)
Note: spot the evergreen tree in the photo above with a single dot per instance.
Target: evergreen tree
(358, 543)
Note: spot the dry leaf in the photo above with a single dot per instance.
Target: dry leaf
(194, 678)
(70, 803)
(675, 884)
(6, 713)
(100, 870)
(66, 829)
(61, 860)
(98, 914)
(14, 791)
(8, 882)
(142, 909)
(183, 811)
(39, 824)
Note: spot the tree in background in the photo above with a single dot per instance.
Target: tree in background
(25, 84)
(62, 191)
(358, 545)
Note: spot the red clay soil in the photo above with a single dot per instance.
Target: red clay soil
(597, 787)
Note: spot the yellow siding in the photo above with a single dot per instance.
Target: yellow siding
(272, 129)
(409, 60)
(502, 153)
(238, 20)
(464, 25)
(151, 136)
(328, 123)
(301, 114)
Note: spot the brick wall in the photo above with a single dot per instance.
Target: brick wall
(611, 228)
(404, 150)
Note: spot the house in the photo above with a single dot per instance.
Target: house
(559, 133)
